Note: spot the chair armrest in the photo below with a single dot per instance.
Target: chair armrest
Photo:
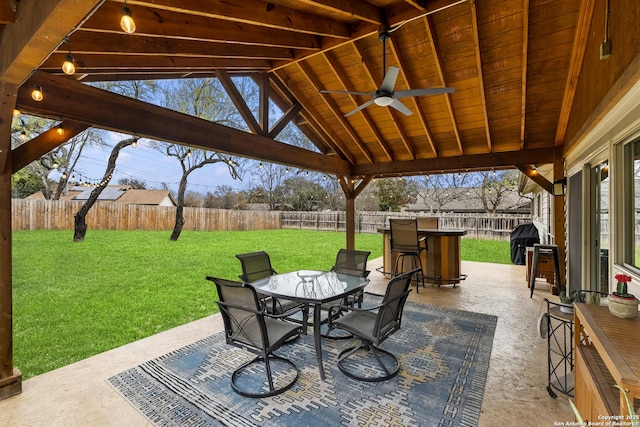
(287, 313)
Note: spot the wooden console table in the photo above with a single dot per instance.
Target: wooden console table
(441, 261)
(607, 353)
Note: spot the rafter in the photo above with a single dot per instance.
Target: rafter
(239, 102)
(310, 76)
(39, 27)
(428, 24)
(577, 56)
(357, 9)
(483, 97)
(340, 75)
(327, 129)
(525, 63)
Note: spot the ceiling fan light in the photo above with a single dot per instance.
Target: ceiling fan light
(383, 101)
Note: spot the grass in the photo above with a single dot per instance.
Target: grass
(74, 300)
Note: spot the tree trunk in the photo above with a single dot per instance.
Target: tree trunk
(177, 227)
(80, 224)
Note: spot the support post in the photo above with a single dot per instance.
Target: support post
(10, 377)
(559, 213)
(351, 191)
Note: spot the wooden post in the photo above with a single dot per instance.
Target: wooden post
(558, 213)
(351, 192)
(10, 377)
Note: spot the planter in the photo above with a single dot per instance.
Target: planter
(624, 307)
(566, 308)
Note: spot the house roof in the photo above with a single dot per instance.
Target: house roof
(524, 74)
(115, 194)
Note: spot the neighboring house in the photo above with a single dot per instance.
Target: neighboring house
(467, 200)
(123, 194)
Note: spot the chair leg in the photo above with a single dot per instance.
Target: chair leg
(251, 390)
(378, 355)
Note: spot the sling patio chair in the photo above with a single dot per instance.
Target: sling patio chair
(248, 326)
(367, 361)
(256, 266)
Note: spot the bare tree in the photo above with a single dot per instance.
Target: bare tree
(80, 224)
(435, 191)
(494, 187)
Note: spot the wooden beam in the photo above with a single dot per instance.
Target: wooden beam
(239, 102)
(38, 29)
(575, 67)
(284, 120)
(43, 143)
(525, 63)
(535, 176)
(483, 97)
(66, 98)
(502, 160)
(559, 220)
(7, 14)
(10, 377)
(354, 9)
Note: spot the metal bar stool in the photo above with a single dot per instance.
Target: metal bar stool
(548, 249)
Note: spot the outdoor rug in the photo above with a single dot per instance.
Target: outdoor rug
(444, 354)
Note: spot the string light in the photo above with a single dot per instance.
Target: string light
(37, 94)
(68, 66)
(134, 144)
(260, 165)
(189, 152)
(16, 114)
(60, 130)
(23, 135)
(126, 20)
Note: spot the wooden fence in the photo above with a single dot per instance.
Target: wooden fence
(478, 226)
(58, 215)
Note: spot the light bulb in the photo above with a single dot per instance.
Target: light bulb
(23, 136)
(189, 152)
(126, 21)
(134, 144)
(16, 114)
(60, 130)
(36, 94)
(68, 66)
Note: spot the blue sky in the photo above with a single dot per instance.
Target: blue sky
(147, 164)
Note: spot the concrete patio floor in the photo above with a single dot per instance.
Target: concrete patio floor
(515, 394)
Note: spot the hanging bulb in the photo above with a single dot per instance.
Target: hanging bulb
(55, 165)
(260, 165)
(23, 136)
(36, 94)
(134, 144)
(126, 21)
(286, 170)
(16, 114)
(60, 130)
(68, 66)
(64, 175)
(189, 152)
(230, 162)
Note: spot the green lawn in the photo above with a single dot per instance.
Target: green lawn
(74, 300)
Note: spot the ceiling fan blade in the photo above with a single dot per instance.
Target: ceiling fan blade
(401, 107)
(389, 81)
(347, 92)
(425, 91)
(361, 107)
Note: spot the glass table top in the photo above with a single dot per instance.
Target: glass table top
(310, 285)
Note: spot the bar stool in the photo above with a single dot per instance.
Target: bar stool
(545, 249)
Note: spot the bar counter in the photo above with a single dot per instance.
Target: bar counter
(441, 262)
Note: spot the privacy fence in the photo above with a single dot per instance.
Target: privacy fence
(58, 215)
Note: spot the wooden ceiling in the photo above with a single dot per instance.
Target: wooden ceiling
(513, 64)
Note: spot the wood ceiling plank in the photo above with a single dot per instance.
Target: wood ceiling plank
(159, 23)
(39, 27)
(87, 104)
(7, 14)
(357, 9)
(90, 42)
(255, 12)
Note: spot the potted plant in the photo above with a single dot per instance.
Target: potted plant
(621, 303)
(568, 300)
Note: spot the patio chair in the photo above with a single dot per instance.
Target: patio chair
(372, 326)
(406, 243)
(348, 261)
(248, 326)
(256, 266)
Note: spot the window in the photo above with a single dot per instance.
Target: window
(632, 204)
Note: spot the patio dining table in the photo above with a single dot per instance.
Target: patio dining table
(312, 288)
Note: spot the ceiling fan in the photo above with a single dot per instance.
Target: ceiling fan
(385, 95)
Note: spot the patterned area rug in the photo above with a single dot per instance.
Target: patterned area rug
(444, 355)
